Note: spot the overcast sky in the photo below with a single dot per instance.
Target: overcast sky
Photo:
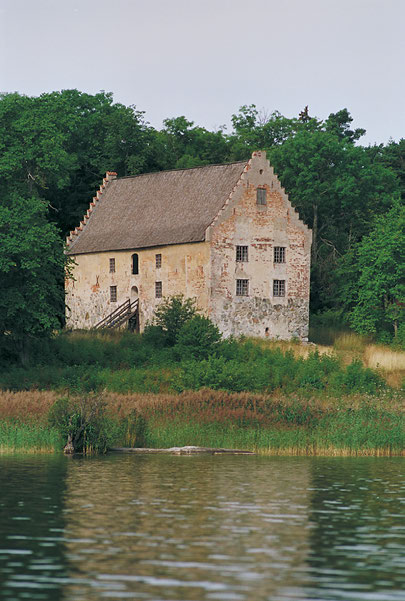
(205, 58)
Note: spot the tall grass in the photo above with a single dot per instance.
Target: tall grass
(20, 437)
(278, 424)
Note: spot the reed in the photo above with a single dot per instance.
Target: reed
(19, 437)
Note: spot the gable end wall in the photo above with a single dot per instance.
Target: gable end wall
(261, 228)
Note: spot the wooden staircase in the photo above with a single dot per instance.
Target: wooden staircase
(119, 316)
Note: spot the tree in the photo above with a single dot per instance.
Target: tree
(337, 188)
(171, 315)
(59, 145)
(255, 130)
(378, 291)
(32, 264)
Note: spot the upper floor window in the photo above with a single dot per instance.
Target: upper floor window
(135, 264)
(278, 287)
(242, 287)
(242, 253)
(261, 196)
(112, 265)
(158, 261)
(158, 289)
(279, 254)
(113, 294)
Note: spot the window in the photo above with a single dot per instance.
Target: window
(158, 289)
(242, 287)
(135, 264)
(113, 294)
(279, 254)
(261, 196)
(278, 287)
(158, 261)
(112, 265)
(242, 253)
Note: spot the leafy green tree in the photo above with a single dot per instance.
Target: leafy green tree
(171, 315)
(181, 145)
(337, 188)
(254, 130)
(377, 286)
(198, 338)
(32, 264)
(59, 145)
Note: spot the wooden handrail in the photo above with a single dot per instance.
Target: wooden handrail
(115, 317)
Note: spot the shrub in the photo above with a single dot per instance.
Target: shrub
(198, 338)
(83, 422)
(172, 314)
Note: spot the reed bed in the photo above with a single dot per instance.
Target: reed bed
(269, 424)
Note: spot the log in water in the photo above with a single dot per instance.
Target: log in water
(189, 450)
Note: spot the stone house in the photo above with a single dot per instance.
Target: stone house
(225, 235)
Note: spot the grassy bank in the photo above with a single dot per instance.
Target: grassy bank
(122, 389)
(276, 424)
(127, 363)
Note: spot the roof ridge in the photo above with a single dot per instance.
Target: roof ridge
(183, 169)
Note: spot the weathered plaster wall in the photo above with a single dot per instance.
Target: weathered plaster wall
(185, 270)
(261, 228)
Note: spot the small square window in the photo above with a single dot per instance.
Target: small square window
(112, 265)
(279, 254)
(242, 287)
(278, 287)
(242, 254)
(158, 289)
(113, 294)
(158, 261)
(261, 196)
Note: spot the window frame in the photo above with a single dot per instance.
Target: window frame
(279, 288)
(261, 196)
(242, 253)
(112, 265)
(135, 264)
(279, 254)
(113, 294)
(158, 260)
(242, 287)
(158, 290)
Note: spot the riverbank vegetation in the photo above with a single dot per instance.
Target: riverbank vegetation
(266, 423)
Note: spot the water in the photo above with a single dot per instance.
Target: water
(221, 528)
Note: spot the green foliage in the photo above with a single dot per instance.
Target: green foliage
(133, 430)
(84, 422)
(171, 315)
(19, 437)
(32, 267)
(337, 188)
(375, 290)
(197, 338)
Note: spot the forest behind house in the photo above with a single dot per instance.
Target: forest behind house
(55, 149)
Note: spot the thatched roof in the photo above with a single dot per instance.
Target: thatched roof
(155, 209)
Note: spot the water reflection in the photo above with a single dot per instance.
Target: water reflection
(358, 542)
(176, 528)
(187, 527)
(31, 527)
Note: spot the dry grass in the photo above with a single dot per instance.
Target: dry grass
(299, 349)
(381, 357)
(28, 405)
(33, 406)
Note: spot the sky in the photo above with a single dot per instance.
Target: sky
(206, 58)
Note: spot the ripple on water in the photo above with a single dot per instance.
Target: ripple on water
(202, 528)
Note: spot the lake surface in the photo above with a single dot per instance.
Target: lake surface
(217, 528)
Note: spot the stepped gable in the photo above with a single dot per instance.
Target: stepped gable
(154, 209)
